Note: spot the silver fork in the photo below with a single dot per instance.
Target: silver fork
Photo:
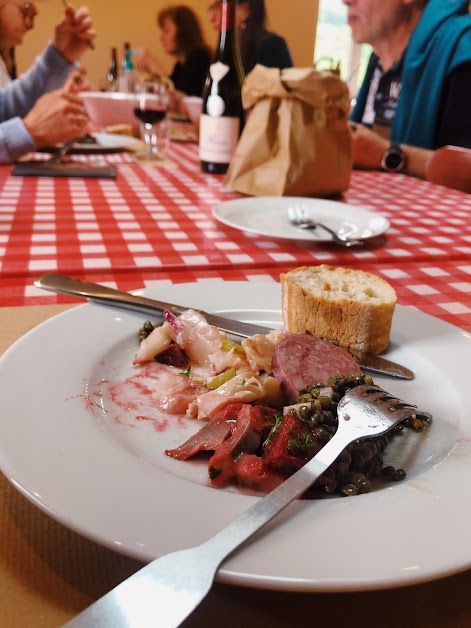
(301, 219)
(167, 590)
(89, 42)
(61, 152)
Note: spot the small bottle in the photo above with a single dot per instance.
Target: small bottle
(126, 78)
(127, 57)
(222, 115)
(113, 71)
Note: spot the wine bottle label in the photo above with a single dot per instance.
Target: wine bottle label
(218, 138)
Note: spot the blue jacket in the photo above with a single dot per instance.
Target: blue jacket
(48, 72)
(440, 42)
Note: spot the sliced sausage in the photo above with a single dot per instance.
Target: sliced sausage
(302, 359)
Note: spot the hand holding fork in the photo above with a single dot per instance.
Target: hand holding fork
(73, 32)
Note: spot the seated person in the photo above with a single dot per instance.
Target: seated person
(16, 19)
(257, 43)
(416, 94)
(29, 121)
(182, 38)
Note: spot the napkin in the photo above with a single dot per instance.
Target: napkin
(64, 169)
(296, 140)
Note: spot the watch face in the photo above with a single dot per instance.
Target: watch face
(393, 159)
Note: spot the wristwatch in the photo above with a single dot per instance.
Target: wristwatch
(393, 159)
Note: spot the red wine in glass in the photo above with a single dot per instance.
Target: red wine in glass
(150, 116)
(150, 109)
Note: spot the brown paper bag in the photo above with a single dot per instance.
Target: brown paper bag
(296, 140)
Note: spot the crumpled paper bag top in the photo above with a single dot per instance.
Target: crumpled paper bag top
(296, 140)
(317, 88)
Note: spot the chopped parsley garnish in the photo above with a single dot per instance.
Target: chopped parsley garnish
(278, 422)
(303, 443)
(186, 372)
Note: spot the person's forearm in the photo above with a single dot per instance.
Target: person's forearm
(47, 73)
(368, 149)
(15, 141)
(416, 158)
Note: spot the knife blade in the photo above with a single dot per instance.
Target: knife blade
(103, 294)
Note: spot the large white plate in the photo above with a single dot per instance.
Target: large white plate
(103, 473)
(268, 216)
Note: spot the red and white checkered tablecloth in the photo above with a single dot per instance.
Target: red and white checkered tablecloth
(160, 218)
(155, 224)
(441, 289)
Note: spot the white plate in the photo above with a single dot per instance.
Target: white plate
(268, 216)
(100, 471)
(108, 142)
(114, 140)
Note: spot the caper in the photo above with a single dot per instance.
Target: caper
(145, 330)
(324, 401)
(365, 451)
(389, 472)
(305, 398)
(350, 489)
(358, 459)
(399, 475)
(358, 478)
(330, 488)
(372, 447)
(366, 487)
(342, 467)
(328, 418)
(321, 433)
(304, 412)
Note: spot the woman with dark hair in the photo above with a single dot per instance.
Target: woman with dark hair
(257, 43)
(182, 37)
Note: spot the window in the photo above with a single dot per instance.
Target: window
(334, 44)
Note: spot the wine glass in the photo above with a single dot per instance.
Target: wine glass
(151, 109)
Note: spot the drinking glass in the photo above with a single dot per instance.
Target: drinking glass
(151, 110)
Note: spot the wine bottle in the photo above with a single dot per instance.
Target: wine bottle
(222, 115)
(113, 70)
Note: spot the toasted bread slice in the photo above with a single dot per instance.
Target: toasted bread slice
(352, 307)
(119, 129)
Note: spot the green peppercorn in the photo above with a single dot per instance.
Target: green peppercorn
(145, 330)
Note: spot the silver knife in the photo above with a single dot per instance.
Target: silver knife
(103, 294)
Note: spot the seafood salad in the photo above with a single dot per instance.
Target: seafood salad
(267, 405)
